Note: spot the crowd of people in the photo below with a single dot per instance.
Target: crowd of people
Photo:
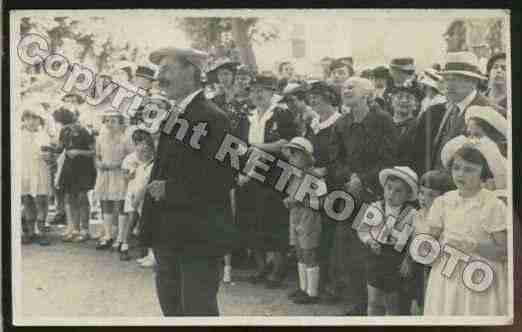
(427, 146)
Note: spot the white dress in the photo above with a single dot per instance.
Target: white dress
(111, 185)
(36, 176)
(475, 218)
(137, 187)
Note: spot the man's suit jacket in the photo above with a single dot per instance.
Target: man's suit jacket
(425, 153)
(195, 216)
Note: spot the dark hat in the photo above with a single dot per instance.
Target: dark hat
(436, 66)
(492, 60)
(244, 70)
(380, 72)
(325, 89)
(214, 65)
(404, 64)
(64, 116)
(145, 72)
(267, 82)
(197, 58)
(295, 87)
(347, 59)
(437, 180)
(411, 89)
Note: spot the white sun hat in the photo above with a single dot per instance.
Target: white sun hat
(489, 149)
(301, 144)
(490, 115)
(404, 173)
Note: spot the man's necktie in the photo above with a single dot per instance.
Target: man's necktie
(449, 126)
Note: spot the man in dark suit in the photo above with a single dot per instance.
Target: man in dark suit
(440, 123)
(187, 214)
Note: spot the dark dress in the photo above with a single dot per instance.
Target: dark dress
(237, 111)
(261, 213)
(78, 174)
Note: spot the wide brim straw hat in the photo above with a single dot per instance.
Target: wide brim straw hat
(406, 64)
(431, 78)
(464, 64)
(404, 173)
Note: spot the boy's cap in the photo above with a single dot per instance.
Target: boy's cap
(404, 173)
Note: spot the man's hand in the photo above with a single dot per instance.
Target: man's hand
(406, 269)
(242, 180)
(73, 153)
(157, 189)
(354, 185)
(101, 165)
(375, 246)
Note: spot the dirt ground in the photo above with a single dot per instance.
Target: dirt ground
(75, 281)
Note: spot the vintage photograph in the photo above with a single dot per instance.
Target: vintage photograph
(222, 167)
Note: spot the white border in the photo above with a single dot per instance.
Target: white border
(419, 14)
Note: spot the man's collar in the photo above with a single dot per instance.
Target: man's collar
(464, 103)
(186, 101)
(179, 109)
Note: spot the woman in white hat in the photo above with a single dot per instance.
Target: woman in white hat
(112, 146)
(484, 121)
(35, 170)
(472, 220)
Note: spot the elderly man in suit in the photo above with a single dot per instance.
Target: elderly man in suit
(187, 215)
(442, 122)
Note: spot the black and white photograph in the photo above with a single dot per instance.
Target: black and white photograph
(261, 167)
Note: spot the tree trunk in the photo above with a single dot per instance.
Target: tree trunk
(240, 35)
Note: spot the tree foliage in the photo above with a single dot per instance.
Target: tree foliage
(228, 36)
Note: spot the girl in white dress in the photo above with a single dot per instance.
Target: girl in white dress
(137, 167)
(472, 220)
(36, 176)
(112, 147)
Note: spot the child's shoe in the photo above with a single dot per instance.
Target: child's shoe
(297, 294)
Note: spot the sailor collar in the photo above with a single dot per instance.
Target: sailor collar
(317, 126)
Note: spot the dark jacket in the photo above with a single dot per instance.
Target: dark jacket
(364, 148)
(426, 146)
(195, 216)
